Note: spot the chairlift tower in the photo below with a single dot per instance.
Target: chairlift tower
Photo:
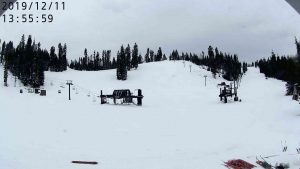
(69, 83)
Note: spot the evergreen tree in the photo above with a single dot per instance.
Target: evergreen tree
(135, 59)
(85, 60)
(151, 56)
(237, 70)
(282, 68)
(147, 56)
(128, 57)
(94, 62)
(118, 73)
(53, 59)
(5, 74)
(159, 55)
(60, 57)
(8, 60)
(164, 57)
(64, 63)
(114, 63)
(28, 61)
(289, 88)
(121, 65)
(298, 50)
(218, 59)
(140, 59)
(216, 62)
(212, 63)
(174, 55)
(2, 52)
(245, 67)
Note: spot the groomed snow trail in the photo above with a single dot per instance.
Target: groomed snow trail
(181, 125)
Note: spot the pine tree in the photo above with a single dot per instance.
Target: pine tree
(2, 52)
(164, 57)
(121, 65)
(159, 55)
(118, 73)
(60, 58)
(135, 59)
(64, 58)
(41, 77)
(28, 61)
(5, 74)
(94, 62)
(140, 59)
(245, 67)
(84, 60)
(298, 50)
(218, 59)
(212, 63)
(128, 57)
(151, 56)
(237, 68)
(114, 64)
(147, 56)
(98, 64)
(53, 59)
(8, 60)
(289, 88)
(34, 79)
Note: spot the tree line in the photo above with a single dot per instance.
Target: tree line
(94, 62)
(217, 62)
(28, 61)
(127, 59)
(285, 68)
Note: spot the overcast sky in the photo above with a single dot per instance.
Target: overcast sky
(249, 28)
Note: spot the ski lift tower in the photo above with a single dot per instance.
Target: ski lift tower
(69, 83)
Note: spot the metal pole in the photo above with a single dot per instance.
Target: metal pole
(69, 91)
(205, 79)
(69, 82)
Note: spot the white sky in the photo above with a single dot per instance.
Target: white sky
(249, 28)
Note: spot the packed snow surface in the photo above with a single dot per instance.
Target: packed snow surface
(181, 125)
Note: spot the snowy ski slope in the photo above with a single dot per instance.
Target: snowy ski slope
(181, 125)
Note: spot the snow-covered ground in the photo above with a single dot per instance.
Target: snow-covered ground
(181, 125)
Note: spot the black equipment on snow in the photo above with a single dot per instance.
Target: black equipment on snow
(124, 95)
(228, 91)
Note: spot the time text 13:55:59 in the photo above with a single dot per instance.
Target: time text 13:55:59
(28, 18)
